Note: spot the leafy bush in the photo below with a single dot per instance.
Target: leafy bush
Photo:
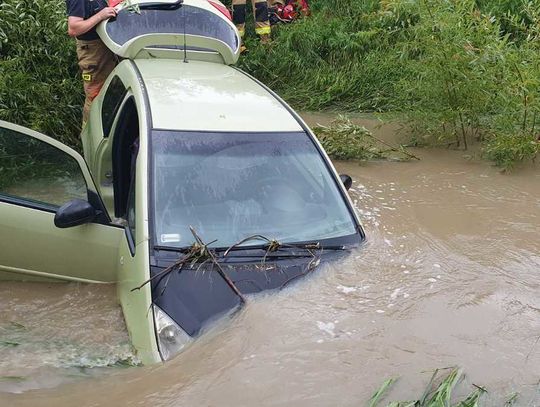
(471, 80)
(507, 149)
(39, 81)
(343, 140)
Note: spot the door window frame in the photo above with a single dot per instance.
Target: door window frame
(119, 169)
(116, 83)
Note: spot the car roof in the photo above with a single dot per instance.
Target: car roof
(206, 96)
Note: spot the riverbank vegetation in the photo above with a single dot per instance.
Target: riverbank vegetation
(452, 71)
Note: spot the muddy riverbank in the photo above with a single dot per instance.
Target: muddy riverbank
(449, 276)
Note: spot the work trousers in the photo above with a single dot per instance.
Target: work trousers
(260, 9)
(96, 62)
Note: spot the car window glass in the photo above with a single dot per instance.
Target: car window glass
(230, 186)
(184, 20)
(125, 144)
(111, 102)
(36, 172)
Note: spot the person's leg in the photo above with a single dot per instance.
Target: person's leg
(96, 62)
(262, 22)
(239, 16)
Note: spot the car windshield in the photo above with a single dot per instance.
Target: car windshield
(228, 186)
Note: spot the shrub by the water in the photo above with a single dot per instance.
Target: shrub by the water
(471, 80)
(344, 140)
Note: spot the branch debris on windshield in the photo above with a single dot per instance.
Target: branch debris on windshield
(199, 253)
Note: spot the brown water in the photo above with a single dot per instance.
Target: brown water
(449, 276)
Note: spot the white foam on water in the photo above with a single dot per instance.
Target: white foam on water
(327, 327)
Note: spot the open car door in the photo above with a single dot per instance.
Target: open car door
(38, 175)
(188, 29)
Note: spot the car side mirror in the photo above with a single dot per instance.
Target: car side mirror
(347, 181)
(74, 213)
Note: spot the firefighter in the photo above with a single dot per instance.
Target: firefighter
(262, 22)
(96, 61)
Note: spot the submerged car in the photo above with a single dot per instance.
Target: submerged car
(198, 185)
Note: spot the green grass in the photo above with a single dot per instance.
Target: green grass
(381, 391)
(9, 343)
(438, 392)
(12, 378)
(512, 398)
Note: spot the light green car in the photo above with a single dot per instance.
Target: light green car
(198, 185)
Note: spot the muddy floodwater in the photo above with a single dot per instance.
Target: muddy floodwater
(449, 276)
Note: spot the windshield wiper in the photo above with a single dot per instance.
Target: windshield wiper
(284, 251)
(274, 249)
(271, 247)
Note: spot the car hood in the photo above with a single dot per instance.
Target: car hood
(195, 296)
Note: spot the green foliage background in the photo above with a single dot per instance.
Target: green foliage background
(452, 70)
(39, 81)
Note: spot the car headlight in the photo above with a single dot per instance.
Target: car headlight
(171, 338)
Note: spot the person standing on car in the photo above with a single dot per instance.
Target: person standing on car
(96, 61)
(262, 21)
